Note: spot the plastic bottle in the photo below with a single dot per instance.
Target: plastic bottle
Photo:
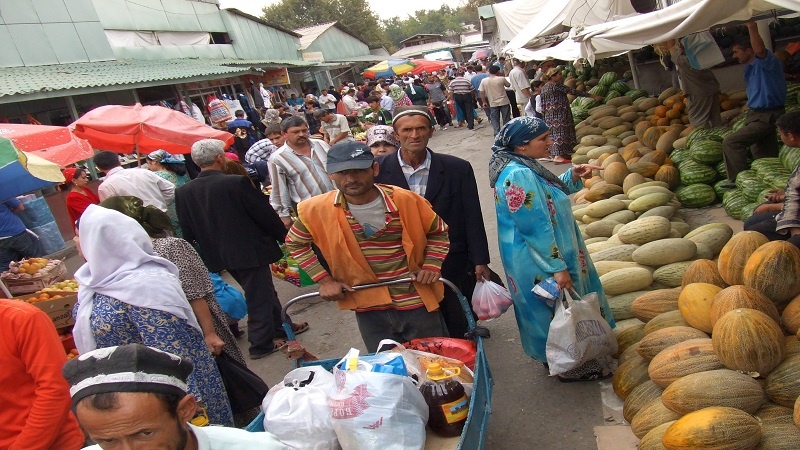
(446, 399)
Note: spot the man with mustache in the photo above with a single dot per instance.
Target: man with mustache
(297, 169)
(370, 233)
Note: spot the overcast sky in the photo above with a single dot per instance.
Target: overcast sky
(384, 8)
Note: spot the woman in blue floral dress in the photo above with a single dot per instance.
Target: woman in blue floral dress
(129, 295)
(537, 235)
(173, 170)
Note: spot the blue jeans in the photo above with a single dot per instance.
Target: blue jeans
(494, 115)
(14, 248)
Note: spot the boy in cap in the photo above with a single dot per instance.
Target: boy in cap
(134, 396)
(381, 140)
(371, 233)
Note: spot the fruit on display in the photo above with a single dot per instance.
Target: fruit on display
(653, 343)
(73, 353)
(734, 255)
(629, 375)
(717, 427)
(64, 286)
(773, 270)
(694, 304)
(783, 384)
(748, 340)
(29, 268)
(652, 440)
(684, 358)
(640, 397)
(721, 387)
(739, 296)
(650, 416)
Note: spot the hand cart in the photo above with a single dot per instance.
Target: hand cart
(474, 435)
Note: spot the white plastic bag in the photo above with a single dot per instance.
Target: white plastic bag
(417, 363)
(376, 411)
(298, 414)
(490, 300)
(578, 334)
(702, 50)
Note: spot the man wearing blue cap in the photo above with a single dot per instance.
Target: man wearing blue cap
(371, 233)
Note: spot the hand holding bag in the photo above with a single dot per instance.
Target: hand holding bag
(245, 389)
(578, 333)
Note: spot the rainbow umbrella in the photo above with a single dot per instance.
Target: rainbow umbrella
(388, 68)
(21, 173)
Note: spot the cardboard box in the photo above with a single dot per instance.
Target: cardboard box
(22, 286)
(59, 310)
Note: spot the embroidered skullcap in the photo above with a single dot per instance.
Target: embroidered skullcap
(402, 111)
(126, 368)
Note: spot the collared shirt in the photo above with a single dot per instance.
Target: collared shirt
(493, 88)
(383, 250)
(766, 85)
(327, 101)
(297, 177)
(260, 151)
(338, 126)
(350, 103)
(142, 183)
(417, 178)
(460, 85)
(387, 103)
(225, 438)
(789, 217)
(476, 80)
(519, 81)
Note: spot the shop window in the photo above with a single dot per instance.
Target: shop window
(220, 38)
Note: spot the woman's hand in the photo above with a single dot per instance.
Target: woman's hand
(214, 343)
(563, 279)
(583, 171)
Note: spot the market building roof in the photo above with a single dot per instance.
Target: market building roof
(310, 34)
(58, 80)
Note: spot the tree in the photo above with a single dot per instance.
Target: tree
(355, 15)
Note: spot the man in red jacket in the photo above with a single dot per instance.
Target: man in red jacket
(34, 401)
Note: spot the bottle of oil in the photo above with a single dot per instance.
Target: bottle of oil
(447, 401)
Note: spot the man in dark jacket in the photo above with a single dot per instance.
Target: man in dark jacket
(235, 229)
(448, 183)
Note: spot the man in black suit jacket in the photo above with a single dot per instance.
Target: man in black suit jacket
(448, 183)
(235, 229)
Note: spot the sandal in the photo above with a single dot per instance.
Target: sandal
(591, 376)
(300, 328)
(279, 342)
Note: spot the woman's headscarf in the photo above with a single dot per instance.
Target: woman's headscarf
(271, 117)
(164, 158)
(154, 221)
(516, 132)
(396, 93)
(121, 264)
(69, 174)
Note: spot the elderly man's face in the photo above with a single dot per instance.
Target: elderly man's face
(139, 422)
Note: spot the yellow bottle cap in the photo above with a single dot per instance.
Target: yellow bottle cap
(436, 372)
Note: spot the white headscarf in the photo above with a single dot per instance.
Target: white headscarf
(122, 265)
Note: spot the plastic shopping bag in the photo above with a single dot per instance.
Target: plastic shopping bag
(578, 333)
(231, 300)
(417, 362)
(288, 269)
(490, 300)
(296, 410)
(375, 410)
(702, 50)
(245, 389)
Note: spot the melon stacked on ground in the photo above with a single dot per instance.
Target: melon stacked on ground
(715, 362)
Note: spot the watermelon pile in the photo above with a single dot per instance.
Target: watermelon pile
(754, 184)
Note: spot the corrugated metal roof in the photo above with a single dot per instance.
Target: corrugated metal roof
(259, 62)
(58, 77)
(310, 34)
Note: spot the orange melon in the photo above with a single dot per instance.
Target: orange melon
(640, 397)
(720, 387)
(679, 360)
(791, 346)
(629, 375)
(735, 253)
(772, 411)
(783, 383)
(668, 174)
(651, 415)
(717, 427)
(694, 303)
(791, 316)
(650, 304)
(653, 343)
(703, 271)
(774, 270)
(652, 440)
(748, 340)
(735, 297)
(664, 320)
(779, 435)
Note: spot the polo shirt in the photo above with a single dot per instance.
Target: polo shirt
(766, 86)
(460, 85)
(476, 80)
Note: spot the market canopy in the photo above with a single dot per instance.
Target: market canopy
(568, 50)
(22, 173)
(681, 19)
(143, 129)
(400, 67)
(55, 144)
(557, 15)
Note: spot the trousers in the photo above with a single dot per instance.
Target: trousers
(756, 137)
(495, 114)
(465, 102)
(14, 248)
(263, 307)
(399, 325)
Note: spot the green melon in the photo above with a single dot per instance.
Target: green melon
(697, 195)
(693, 173)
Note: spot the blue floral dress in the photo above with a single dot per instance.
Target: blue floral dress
(178, 181)
(114, 322)
(538, 237)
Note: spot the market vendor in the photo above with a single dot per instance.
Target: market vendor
(370, 233)
(133, 396)
(16, 242)
(700, 86)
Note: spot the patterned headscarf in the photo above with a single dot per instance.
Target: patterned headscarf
(381, 133)
(520, 131)
(271, 116)
(396, 92)
(152, 219)
(163, 157)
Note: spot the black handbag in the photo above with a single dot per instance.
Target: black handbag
(245, 389)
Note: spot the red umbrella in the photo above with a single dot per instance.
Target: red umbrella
(424, 65)
(143, 129)
(54, 144)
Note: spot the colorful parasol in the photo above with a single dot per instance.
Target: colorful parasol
(143, 129)
(22, 173)
(55, 144)
(400, 67)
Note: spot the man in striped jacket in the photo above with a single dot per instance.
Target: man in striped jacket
(371, 233)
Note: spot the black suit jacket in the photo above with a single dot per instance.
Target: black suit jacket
(230, 221)
(453, 194)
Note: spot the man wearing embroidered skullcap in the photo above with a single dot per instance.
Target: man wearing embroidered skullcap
(370, 233)
(134, 396)
(448, 183)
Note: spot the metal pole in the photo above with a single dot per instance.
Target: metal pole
(634, 70)
(135, 96)
(73, 112)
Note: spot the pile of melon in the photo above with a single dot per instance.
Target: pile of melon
(715, 362)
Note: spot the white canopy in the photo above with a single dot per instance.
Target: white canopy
(557, 14)
(678, 20)
(512, 16)
(569, 50)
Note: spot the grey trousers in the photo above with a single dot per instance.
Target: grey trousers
(704, 111)
(756, 137)
(399, 325)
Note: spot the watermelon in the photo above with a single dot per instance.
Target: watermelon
(752, 189)
(764, 166)
(636, 93)
(620, 86)
(776, 181)
(628, 75)
(679, 155)
(608, 79)
(721, 169)
(745, 178)
(792, 91)
(739, 123)
(612, 94)
(696, 134)
(719, 189)
(790, 157)
(599, 90)
(706, 151)
(697, 195)
(733, 201)
(747, 210)
(693, 173)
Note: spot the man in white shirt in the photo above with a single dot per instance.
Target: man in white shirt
(142, 183)
(520, 84)
(327, 101)
(297, 169)
(133, 396)
(350, 101)
(335, 126)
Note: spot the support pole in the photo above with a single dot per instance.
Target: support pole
(73, 112)
(634, 70)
